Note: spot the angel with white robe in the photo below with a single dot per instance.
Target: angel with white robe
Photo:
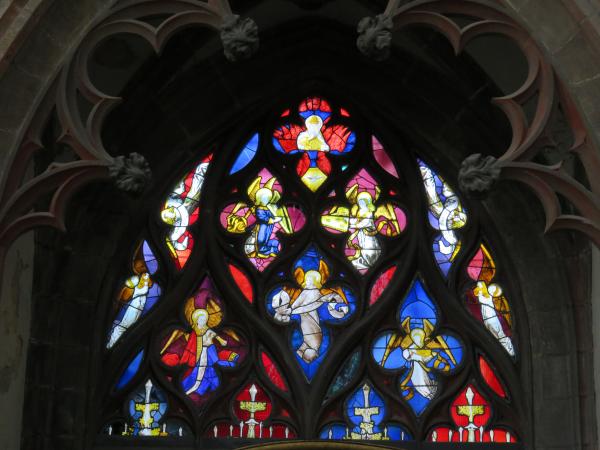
(422, 353)
(180, 205)
(133, 298)
(363, 221)
(447, 210)
(492, 304)
(306, 302)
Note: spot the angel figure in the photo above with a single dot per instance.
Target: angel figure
(364, 220)
(134, 298)
(422, 353)
(181, 209)
(203, 348)
(486, 300)
(263, 219)
(311, 303)
(416, 350)
(447, 216)
(494, 311)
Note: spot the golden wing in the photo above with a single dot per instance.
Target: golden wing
(299, 276)
(352, 193)
(276, 197)
(139, 264)
(188, 309)
(125, 294)
(394, 342)
(488, 267)
(174, 336)
(502, 306)
(286, 223)
(253, 188)
(387, 211)
(215, 314)
(406, 325)
(324, 271)
(428, 327)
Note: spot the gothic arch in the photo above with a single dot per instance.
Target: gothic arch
(540, 295)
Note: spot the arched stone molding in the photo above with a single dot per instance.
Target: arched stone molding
(28, 77)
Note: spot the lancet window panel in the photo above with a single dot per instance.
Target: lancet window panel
(311, 279)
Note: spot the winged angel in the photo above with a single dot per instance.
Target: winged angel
(364, 220)
(264, 218)
(203, 348)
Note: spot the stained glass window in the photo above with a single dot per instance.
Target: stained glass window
(312, 281)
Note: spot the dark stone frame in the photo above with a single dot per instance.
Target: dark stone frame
(111, 279)
(61, 422)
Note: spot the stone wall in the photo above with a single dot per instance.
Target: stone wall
(36, 37)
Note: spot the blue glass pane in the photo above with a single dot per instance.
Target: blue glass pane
(131, 370)
(149, 258)
(417, 306)
(345, 375)
(246, 155)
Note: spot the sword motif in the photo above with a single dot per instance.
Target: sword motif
(252, 407)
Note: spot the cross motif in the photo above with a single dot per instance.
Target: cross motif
(314, 140)
(252, 407)
(366, 412)
(471, 414)
(469, 410)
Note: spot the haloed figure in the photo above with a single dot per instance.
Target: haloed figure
(135, 294)
(198, 350)
(262, 242)
(305, 303)
(491, 301)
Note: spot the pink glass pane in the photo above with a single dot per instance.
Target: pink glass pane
(383, 158)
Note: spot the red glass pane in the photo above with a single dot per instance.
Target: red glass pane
(470, 408)
(381, 283)
(243, 282)
(490, 377)
(272, 371)
(344, 113)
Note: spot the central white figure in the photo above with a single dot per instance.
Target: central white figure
(135, 293)
(312, 138)
(306, 302)
(489, 313)
(419, 355)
